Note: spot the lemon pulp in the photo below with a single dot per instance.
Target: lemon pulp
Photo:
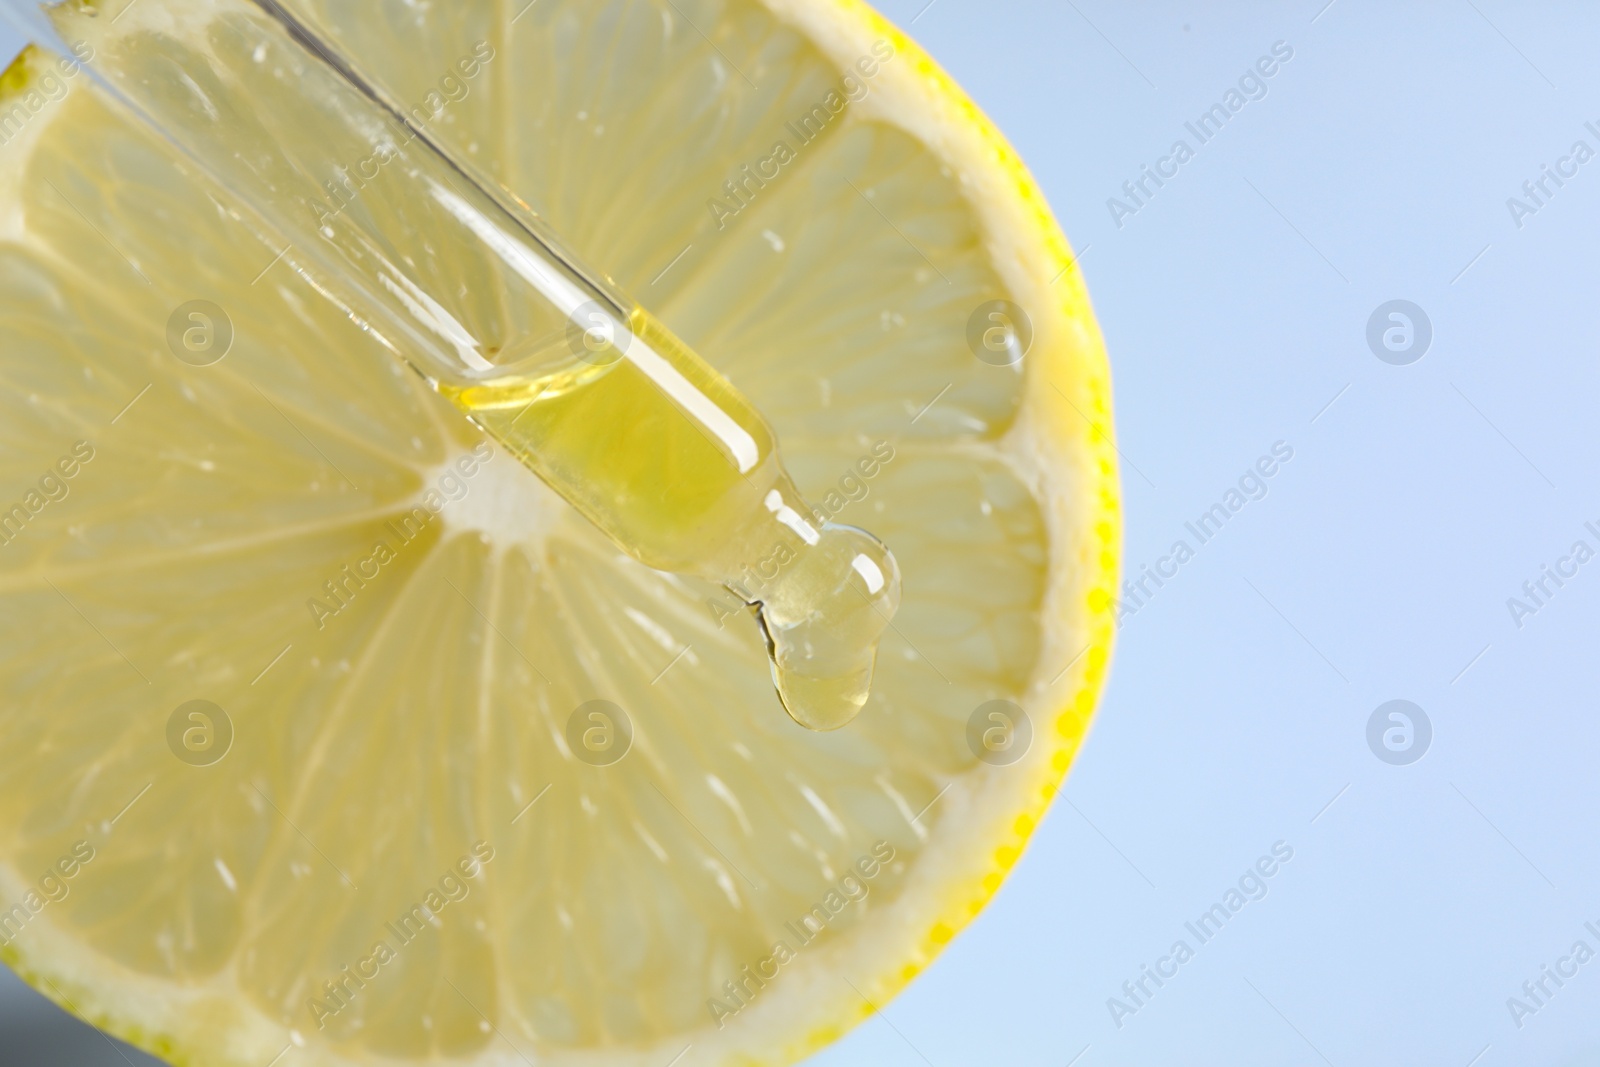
(416, 720)
(662, 453)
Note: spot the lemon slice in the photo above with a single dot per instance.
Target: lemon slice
(333, 735)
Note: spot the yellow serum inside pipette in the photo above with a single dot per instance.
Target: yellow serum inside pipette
(668, 458)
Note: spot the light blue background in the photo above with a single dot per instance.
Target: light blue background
(1234, 306)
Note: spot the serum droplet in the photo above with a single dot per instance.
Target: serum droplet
(823, 624)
